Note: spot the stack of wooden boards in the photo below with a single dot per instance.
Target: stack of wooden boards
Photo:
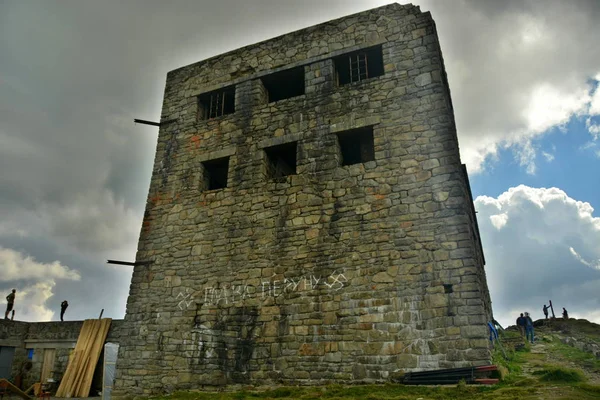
(77, 380)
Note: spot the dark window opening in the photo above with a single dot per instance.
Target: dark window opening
(448, 288)
(217, 103)
(284, 84)
(357, 145)
(215, 173)
(281, 160)
(359, 65)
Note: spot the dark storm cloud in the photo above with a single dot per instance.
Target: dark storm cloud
(74, 74)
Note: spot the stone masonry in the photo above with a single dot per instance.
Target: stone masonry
(280, 254)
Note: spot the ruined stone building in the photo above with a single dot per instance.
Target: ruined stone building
(308, 218)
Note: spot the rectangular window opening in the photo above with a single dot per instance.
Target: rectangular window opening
(359, 65)
(215, 173)
(448, 288)
(284, 84)
(357, 145)
(281, 160)
(216, 104)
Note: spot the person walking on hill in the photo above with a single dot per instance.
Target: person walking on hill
(521, 325)
(63, 308)
(10, 299)
(529, 327)
(565, 314)
(545, 311)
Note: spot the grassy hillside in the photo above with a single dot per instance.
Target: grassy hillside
(549, 369)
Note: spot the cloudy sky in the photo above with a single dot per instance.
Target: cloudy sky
(75, 169)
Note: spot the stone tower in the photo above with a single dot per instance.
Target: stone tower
(308, 218)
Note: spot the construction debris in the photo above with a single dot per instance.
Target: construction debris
(6, 386)
(450, 376)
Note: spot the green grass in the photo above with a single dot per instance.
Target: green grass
(557, 374)
(368, 392)
(526, 389)
(571, 354)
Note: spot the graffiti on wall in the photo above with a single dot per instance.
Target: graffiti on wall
(235, 294)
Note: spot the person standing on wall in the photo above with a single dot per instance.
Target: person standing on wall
(565, 314)
(10, 299)
(545, 311)
(63, 308)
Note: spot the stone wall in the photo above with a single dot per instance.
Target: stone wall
(337, 273)
(39, 336)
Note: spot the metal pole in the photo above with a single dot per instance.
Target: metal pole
(552, 308)
(101, 312)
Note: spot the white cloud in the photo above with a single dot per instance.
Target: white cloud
(31, 302)
(548, 156)
(499, 220)
(549, 107)
(540, 244)
(525, 154)
(526, 72)
(34, 282)
(592, 264)
(18, 266)
(595, 100)
(593, 128)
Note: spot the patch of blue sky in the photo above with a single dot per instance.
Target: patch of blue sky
(568, 159)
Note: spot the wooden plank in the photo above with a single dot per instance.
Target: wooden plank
(88, 362)
(97, 347)
(14, 389)
(80, 383)
(30, 388)
(78, 377)
(48, 365)
(66, 386)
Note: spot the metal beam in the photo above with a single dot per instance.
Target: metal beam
(132, 264)
(143, 121)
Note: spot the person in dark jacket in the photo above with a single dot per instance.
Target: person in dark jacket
(545, 309)
(528, 328)
(565, 314)
(521, 325)
(63, 308)
(10, 303)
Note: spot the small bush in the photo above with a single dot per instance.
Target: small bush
(280, 392)
(560, 374)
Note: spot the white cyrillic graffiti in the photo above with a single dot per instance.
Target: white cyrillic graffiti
(233, 294)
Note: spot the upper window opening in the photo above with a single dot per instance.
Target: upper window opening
(284, 84)
(281, 160)
(215, 173)
(217, 103)
(357, 145)
(359, 65)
